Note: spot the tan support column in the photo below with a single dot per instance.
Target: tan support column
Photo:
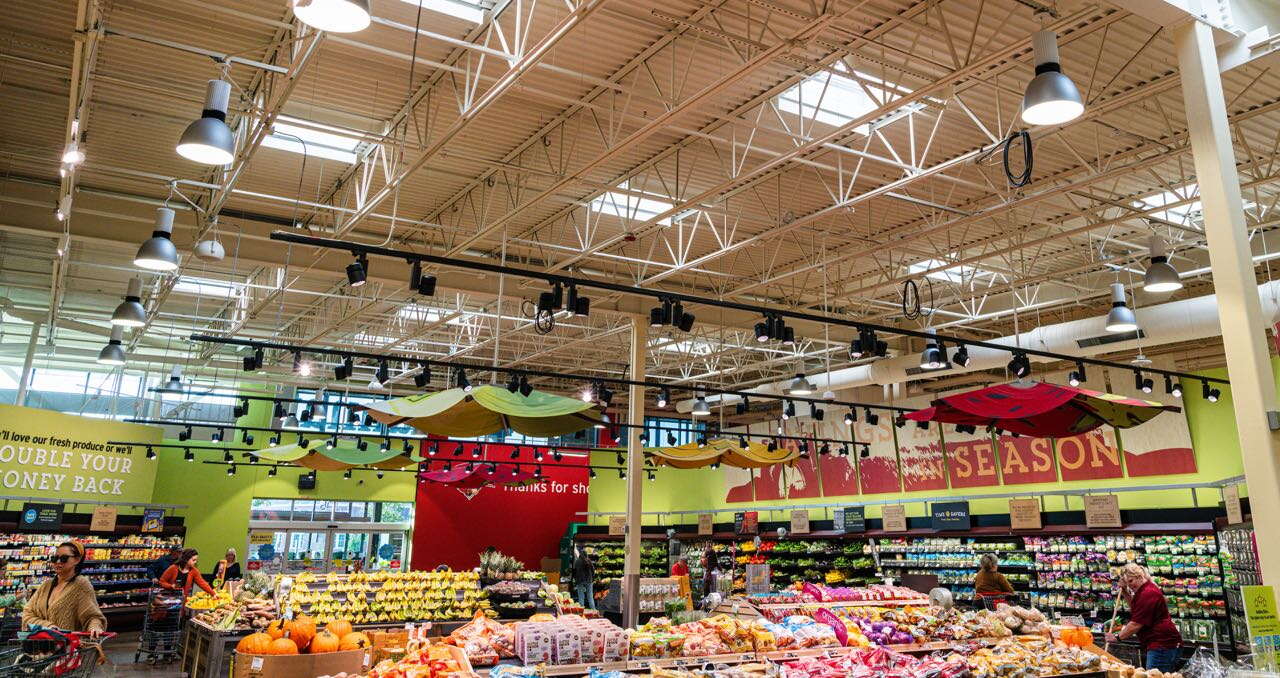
(1253, 390)
(635, 476)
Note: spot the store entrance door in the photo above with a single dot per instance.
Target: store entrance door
(291, 550)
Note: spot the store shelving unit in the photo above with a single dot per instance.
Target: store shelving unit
(1239, 557)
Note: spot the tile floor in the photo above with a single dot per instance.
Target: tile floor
(120, 664)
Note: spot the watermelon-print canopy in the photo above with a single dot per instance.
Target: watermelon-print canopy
(466, 476)
(316, 455)
(484, 410)
(1041, 410)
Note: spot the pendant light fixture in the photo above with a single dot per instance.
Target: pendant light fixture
(1161, 276)
(175, 380)
(130, 312)
(1051, 97)
(209, 140)
(335, 16)
(932, 357)
(112, 354)
(158, 252)
(800, 386)
(700, 407)
(1120, 318)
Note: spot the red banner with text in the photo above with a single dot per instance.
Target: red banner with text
(452, 526)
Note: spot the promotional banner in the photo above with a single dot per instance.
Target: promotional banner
(739, 483)
(839, 472)
(1089, 456)
(1025, 460)
(66, 457)
(452, 527)
(878, 469)
(971, 458)
(1161, 446)
(920, 452)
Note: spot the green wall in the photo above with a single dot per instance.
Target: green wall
(1213, 435)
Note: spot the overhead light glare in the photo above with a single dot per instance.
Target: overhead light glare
(334, 16)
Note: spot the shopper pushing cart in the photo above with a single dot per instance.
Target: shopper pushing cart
(161, 626)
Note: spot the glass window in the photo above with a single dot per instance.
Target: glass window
(303, 509)
(324, 510)
(359, 512)
(395, 512)
(341, 510)
(270, 509)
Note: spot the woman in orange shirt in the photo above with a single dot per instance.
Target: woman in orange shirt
(183, 573)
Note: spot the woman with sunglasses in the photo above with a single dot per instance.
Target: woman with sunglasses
(183, 573)
(66, 600)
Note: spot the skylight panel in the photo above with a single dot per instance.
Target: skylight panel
(837, 100)
(459, 10)
(311, 141)
(955, 274)
(206, 287)
(626, 204)
(427, 314)
(697, 347)
(1187, 212)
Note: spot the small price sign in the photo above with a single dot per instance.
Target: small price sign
(1231, 497)
(800, 521)
(706, 524)
(104, 519)
(1024, 514)
(617, 525)
(895, 518)
(1102, 510)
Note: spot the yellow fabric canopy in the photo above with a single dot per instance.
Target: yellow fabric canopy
(723, 451)
(484, 410)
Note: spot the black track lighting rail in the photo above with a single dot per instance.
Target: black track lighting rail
(317, 436)
(363, 250)
(259, 398)
(369, 469)
(589, 379)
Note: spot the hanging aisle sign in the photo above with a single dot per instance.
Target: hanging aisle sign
(950, 515)
(746, 522)
(617, 525)
(1102, 510)
(705, 524)
(153, 520)
(851, 519)
(40, 517)
(799, 521)
(51, 455)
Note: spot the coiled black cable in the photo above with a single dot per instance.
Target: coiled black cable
(1023, 178)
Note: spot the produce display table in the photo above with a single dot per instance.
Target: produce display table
(206, 652)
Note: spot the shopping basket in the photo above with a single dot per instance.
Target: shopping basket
(52, 653)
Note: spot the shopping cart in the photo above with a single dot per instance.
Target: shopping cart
(50, 653)
(161, 626)
(991, 601)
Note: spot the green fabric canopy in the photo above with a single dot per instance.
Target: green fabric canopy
(485, 410)
(339, 458)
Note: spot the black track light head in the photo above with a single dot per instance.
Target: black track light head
(461, 381)
(423, 377)
(1172, 388)
(1078, 375)
(850, 417)
(961, 356)
(870, 417)
(526, 389)
(358, 271)
(188, 455)
(513, 383)
(664, 397)
(151, 454)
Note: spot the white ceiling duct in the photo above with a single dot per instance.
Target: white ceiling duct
(1172, 322)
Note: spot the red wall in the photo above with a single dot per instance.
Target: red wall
(524, 522)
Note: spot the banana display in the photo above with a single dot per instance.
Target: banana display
(371, 597)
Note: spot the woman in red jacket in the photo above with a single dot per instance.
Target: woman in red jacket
(183, 573)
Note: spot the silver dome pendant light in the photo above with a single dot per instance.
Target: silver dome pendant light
(1120, 318)
(158, 252)
(1161, 276)
(130, 312)
(1051, 97)
(335, 16)
(209, 140)
(112, 353)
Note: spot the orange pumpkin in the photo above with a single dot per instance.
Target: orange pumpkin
(338, 627)
(283, 646)
(255, 643)
(354, 641)
(324, 642)
(301, 630)
(276, 629)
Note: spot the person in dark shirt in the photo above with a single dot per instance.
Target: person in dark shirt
(156, 569)
(1148, 619)
(226, 569)
(584, 574)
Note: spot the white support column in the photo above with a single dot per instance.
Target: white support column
(1253, 389)
(635, 477)
(24, 381)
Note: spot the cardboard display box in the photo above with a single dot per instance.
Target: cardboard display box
(301, 665)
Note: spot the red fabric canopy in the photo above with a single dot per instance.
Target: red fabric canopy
(1041, 410)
